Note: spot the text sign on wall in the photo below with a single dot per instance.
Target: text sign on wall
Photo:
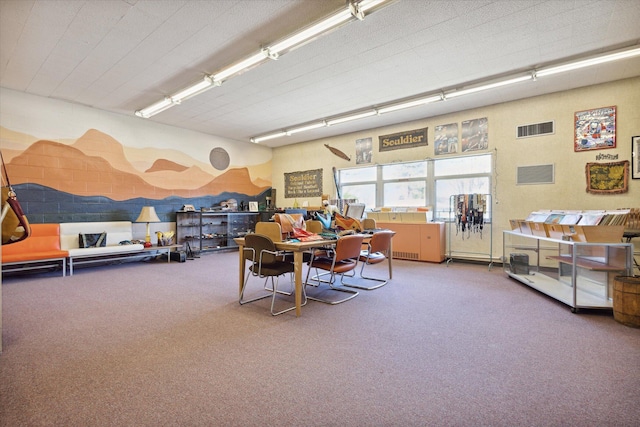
(303, 184)
(408, 139)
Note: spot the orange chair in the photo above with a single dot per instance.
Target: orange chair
(378, 249)
(343, 259)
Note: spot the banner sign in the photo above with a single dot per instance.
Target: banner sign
(400, 140)
(303, 184)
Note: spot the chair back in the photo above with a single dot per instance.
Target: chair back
(348, 247)
(256, 243)
(314, 226)
(381, 242)
(271, 229)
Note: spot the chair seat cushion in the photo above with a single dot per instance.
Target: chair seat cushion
(340, 267)
(274, 269)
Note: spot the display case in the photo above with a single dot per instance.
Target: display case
(578, 274)
(209, 231)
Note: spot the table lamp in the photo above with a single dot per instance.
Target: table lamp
(148, 214)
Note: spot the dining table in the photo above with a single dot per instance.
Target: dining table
(297, 248)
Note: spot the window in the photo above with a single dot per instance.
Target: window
(421, 183)
(460, 175)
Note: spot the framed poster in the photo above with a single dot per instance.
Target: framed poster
(475, 135)
(303, 184)
(595, 129)
(364, 150)
(446, 139)
(635, 157)
(253, 206)
(607, 178)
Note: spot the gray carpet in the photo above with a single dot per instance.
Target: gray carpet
(157, 344)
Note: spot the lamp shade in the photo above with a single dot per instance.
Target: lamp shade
(148, 214)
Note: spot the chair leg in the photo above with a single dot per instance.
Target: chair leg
(274, 285)
(352, 294)
(244, 286)
(380, 282)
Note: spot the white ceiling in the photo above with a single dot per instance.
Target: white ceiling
(123, 55)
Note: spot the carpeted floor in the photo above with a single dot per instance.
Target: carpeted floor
(157, 344)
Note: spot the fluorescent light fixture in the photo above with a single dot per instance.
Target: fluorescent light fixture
(367, 5)
(344, 15)
(311, 32)
(409, 104)
(241, 66)
(488, 86)
(307, 127)
(588, 62)
(268, 137)
(352, 117)
(194, 89)
(155, 108)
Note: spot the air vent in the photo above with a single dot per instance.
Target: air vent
(405, 255)
(537, 129)
(539, 174)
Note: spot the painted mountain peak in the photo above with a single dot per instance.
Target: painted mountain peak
(73, 170)
(166, 165)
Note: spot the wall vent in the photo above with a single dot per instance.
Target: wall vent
(406, 255)
(539, 174)
(536, 129)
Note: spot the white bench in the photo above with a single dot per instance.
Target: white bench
(117, 231)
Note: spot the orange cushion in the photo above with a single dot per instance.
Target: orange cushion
(44, 243)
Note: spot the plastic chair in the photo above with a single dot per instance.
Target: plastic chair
(343, 259)
(266, 262)
(377, 251)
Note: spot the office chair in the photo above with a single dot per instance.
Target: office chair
(266, 262)
(378, 249)
(343, 259)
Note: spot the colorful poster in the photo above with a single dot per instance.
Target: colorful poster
(595, 129)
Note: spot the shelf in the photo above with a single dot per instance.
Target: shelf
(562, 292)
(215, 230)
(585, 271)
(586, 263)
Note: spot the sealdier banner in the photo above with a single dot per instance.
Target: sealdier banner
(400, 140)
(303, 184)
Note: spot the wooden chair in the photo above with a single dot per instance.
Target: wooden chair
(369, 224)
(314, 226)
(343, 259)
(271, 229)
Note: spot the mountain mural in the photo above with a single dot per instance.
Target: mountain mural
(165, 165)
(96, 166)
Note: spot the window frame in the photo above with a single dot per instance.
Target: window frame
(430, 183)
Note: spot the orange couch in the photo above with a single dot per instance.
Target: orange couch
(39, 251)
